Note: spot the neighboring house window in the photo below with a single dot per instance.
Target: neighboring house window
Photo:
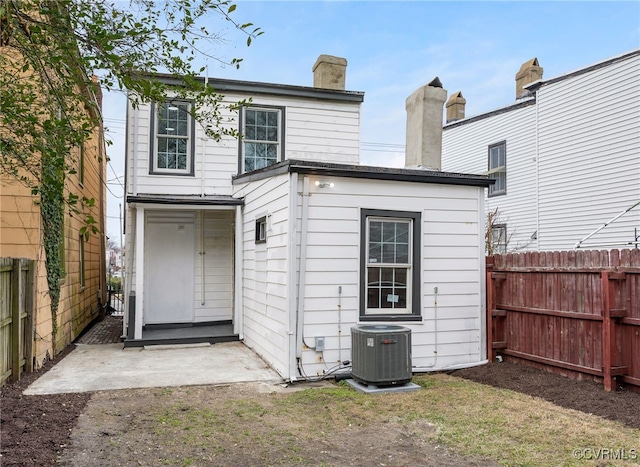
(173, 148)
(499, 238)
(390, 265)
(498, 168)
(261, 230)
(81, 259)
(262, 139)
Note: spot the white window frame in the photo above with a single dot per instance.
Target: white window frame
(250, 137)
(179, 106)
(497, 171)
(499, 238)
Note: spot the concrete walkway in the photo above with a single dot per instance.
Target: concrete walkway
(110, 366)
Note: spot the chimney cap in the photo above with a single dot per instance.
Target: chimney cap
(435, 83)
(330, 59)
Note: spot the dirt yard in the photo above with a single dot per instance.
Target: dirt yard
(137, 427)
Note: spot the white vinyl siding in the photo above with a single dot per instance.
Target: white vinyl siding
(265, 288)
(464, 149)
(452, 260)
(314, 130)
(572, 159)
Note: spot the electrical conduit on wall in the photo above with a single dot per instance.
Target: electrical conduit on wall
(302, 267)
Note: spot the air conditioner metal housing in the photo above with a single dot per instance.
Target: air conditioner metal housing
(381, 354)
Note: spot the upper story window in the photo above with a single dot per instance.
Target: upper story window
(498, 168)
(262, 138)
(173, 149)
(390, 274)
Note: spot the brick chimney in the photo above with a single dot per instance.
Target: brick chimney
(424, 126)
(330, 72)
(529, 72)
(455, 107)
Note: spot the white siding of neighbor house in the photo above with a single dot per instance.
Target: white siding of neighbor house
(452, 260)
(590, 156)
(577, 163)
(265, 287)
(314, 130)
(466, 149)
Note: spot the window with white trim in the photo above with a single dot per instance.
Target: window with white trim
(499, 238)
(173, 145)
(390, 274)
(498, 168)
(261, 138)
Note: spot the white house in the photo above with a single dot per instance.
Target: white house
(565, 156)
(284, 241)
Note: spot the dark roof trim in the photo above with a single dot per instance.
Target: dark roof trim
(254, 87)
(195, 200)
(521, 103)
(366, 172)
(620, 58)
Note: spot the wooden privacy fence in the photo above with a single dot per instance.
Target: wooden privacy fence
(572, 312)
(17, 284)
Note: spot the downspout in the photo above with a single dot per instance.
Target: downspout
(133, 151)
(302, 267)
(102, 162)
(202, 256)
(537, 149)
(293, 273)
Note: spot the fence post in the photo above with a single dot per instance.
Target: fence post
(16, 322)
(30, 300)
(491, 353)
(607, 358)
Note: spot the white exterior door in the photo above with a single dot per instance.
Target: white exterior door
(169, 268)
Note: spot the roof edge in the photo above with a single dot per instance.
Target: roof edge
(364, 172)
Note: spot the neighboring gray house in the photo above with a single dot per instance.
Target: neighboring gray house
(284, 241)
(565, 156)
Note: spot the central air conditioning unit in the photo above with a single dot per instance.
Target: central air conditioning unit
(381, 354)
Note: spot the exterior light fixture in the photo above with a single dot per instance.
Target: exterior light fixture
(324, 184)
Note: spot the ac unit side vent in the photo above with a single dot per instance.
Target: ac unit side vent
(381, 354)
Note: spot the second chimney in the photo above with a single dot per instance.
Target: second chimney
(424, 126)
(330, 72)
(529, 72)
(455, 107)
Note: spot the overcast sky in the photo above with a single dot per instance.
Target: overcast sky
(394, 47)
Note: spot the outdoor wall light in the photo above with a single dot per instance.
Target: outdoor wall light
(324, 184)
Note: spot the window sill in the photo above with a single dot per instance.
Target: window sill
(391, 318)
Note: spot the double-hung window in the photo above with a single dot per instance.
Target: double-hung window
(262, 139)
(498, 239)
(498, 168)
(173, 152)
(390, 270)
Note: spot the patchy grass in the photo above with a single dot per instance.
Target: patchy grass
(337, 426)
